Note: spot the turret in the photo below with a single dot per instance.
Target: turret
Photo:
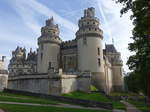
(116, 62)
(49, 47)
(90, 54)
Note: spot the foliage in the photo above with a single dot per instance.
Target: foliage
(139, 63)
(93, 88)
(133, 82)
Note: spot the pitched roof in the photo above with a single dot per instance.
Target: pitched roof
(110, 48)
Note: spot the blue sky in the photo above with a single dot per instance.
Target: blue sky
(21, 20)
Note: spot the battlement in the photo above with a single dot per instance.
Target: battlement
(90, 12)
(69, 44)
(50, 22)
(50, 29)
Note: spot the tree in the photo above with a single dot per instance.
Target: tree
(139, 63)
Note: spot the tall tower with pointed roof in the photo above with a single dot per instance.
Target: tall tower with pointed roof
(89, 41)
(49, 47)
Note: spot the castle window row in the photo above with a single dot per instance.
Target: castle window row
(88, 23)
(91, 29)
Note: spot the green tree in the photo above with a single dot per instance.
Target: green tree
(139, 63)
(132, 82)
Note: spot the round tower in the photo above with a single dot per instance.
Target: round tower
(90, 54)
(49, 47)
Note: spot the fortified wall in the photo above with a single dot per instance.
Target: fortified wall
(54, 83)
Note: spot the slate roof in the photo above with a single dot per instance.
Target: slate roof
(110, 48)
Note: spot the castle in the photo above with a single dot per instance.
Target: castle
(64, 66)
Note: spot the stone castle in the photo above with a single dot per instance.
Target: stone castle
(64, 66)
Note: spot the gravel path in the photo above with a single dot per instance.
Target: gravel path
(1, 110)
(130, 107)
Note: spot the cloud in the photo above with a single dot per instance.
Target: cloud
(116, 27)
(30, 5)
(31, 12)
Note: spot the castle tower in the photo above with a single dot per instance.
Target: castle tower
(90, 54)
(116, 62)
(49, 47)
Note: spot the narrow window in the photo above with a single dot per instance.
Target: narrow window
(41, 56)
(42, 46)
(87, 22)
(49, 65)
(84, 41)
(99, 62)
(98, 51)
(120, 71)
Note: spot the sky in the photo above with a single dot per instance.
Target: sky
(21, 21)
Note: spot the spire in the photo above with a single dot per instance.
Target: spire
(113, 41)
(30, 50)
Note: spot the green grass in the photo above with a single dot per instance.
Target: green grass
(24, 108)
(140, 105)
(24, 99)
(96, 97)
(30, 100)
(129, 94)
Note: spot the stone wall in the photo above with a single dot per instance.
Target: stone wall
(3, 81)
(65, 82)
(32, 83)
(53, 83)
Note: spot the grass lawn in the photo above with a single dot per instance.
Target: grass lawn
(96, 97)
(24, 108)
(24, 99)
(140, 105)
